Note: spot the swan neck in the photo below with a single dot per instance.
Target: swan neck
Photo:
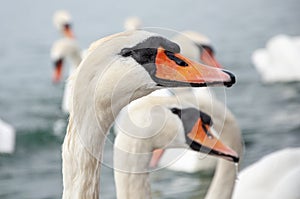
(222, 185)
(82, 149)
(131, 170)
(223, 182)
(132, 185)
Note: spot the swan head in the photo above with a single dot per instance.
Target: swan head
(195, 132)
(128, 65)
(152, 124)
(158, 58)
(62, 21)
(132, 23)
(61, 50)
(197, 46)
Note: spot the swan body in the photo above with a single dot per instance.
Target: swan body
(145, 62)
(279, 60)
(149, 123)
(63, 50)
(275, 176)
(7, 138)
(198, 47)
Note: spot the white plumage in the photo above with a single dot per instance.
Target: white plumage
(279, 60)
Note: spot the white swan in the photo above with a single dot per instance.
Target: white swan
(7, 138)
(64, 50)
(279, 60)
(198, 47)
(62, 20)
(117, 70)
(275, 176)
(164, 122)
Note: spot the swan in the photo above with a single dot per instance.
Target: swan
(198, 47)
(164, 122)
(118, 69)
(62, 20)
(274, 176)
(65, 49)
(279, 60)
(7, 138)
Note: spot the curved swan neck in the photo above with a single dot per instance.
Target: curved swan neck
(223, 183)
(132, 185)
(81, 170)
(88, 126)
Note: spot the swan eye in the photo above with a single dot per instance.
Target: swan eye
(146, 51)
(125, 52)
(176, 111)
(177, 60)
(67, 26)
(58, 62)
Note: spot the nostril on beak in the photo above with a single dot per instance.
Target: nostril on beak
(232, 79)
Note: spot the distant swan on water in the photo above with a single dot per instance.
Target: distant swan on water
(7, 138)
(279, 60)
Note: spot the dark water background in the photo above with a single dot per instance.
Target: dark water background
(268, 114)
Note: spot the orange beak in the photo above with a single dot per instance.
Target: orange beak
(156, 155)
(57, 71)
(68, 31)
(202, 140)
(209, 59)
(177, 68)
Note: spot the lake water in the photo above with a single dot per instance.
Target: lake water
(268, 114)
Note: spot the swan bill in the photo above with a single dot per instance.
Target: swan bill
(174, 69)
(57, 74)
(67, 31)
(201, 139)
(200, 136)
(208, 57)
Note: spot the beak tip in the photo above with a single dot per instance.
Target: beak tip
(232, 79)
(236, 159)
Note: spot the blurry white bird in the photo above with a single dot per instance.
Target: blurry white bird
(279, 61)
(132, 23)
(154, 122)
(62, 20)
(7, 138)
(275, 176)
(117, 70)
(64, 50)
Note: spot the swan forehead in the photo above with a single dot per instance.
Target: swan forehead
(131, 39)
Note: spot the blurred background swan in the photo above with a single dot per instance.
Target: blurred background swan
(279, 60)
(7, 138)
